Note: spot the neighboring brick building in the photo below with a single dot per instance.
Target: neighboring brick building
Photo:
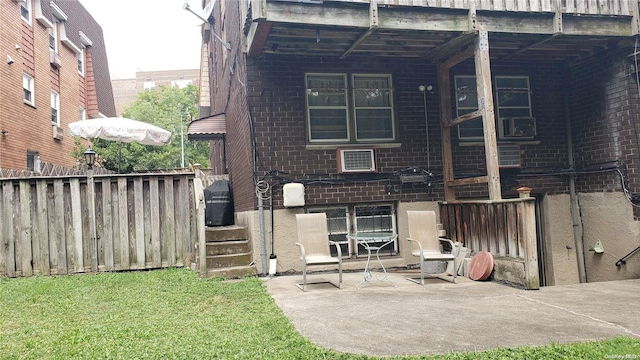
(437, 95)
(55, 73)
(125, 90)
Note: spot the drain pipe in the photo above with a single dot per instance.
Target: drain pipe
(575, 206)
(261, 188)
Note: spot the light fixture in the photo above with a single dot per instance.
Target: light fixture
(226, 44)
(90, 158)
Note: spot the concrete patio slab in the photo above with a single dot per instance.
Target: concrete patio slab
(409, 319)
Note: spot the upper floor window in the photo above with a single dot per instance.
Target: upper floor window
(55, 108)
(25, 11)
(180, 83)
(27, 86)
(512, 104)
(149, 85)
(81, 62)
(349, 109)
(53, 37)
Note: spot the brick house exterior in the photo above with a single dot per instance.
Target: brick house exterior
(581, 160)
(57, 50)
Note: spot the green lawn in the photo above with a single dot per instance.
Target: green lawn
(173, 314)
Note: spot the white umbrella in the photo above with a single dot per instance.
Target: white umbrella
(121, 130)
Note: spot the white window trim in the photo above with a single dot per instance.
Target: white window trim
(30, 87)
(26, 4)
(53, 32)
(309, 108)
(83, 113)
(355, 115)
(500, 119)
(81, 63)
(458, 108)
(55, 104)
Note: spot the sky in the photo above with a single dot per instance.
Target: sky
(148, 35)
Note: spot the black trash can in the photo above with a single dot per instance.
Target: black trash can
(219, 204)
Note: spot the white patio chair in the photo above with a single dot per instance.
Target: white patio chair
(425, 244)
(313, 241)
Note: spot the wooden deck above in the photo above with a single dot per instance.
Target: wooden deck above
(550, 29)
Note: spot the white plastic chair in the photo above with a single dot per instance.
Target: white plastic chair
(313, 241)
(425, 244)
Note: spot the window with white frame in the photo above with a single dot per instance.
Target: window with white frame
(55, 108)
(27, 86)
(81, 61)
(25, 11)
(53, 37)
(512, 107)
(149, 85)
(83, 113)
(180, 83)
(333, 117)
(350, 219)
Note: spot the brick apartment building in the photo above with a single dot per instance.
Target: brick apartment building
(125, 90)
(54, 72)
(450, 101)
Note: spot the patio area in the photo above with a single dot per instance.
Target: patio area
(382, 320)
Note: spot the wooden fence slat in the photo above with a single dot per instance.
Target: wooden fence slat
(42, 237)
(182, 220)
(512, 234)
(527, 236)
(123, 224)
(77, 255)
(8, 234)
(482, 228)
(3, 244)
(60, 242)
(501, 235)
(154, 198)
(26, 254)
(169, 221)
(139, 222)
(492, 239)
(107, 225)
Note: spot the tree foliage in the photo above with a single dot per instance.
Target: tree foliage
(170, 108)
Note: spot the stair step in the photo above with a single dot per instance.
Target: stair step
(225, 233)
(221, 261)
(228, 247)
(231, 272)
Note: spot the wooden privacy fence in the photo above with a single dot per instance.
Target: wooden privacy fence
(504, 228)
(141, 222)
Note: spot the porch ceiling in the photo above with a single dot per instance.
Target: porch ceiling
(339, 31)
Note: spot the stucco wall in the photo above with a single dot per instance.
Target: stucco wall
(558, 240)
(609, 218)
(285, 237)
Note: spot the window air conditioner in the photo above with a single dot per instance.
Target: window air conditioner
(58, 132)
(356, 160)
(509, 155)
(55, 58)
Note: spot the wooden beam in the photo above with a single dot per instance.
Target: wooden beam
(485, 104)
(458, 58)
(444, 89)
(468, 181)
(528, 238)
(373, 25)
(258, 33)
(466, 117)
(449, 52)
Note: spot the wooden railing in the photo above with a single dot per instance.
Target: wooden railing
(142, 222)
(504, 228)
(592, 7)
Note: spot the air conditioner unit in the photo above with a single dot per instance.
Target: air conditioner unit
(55, 58)
(509, 155)
(518, 127)
(58, 132)
(356, 160)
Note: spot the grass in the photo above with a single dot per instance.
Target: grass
(173, 314)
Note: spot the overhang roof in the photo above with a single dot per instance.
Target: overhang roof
(207, 128)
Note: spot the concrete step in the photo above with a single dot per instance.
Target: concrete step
(222, 261)
(228, 247)
(232, 272)
(225, 233)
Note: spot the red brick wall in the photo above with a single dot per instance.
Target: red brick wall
(29, 127)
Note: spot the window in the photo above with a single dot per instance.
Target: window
(149, 85)
(343, 220)
(83, 113)
(331, 119)
(512, 104)
(53, 37)
(25, 11)
(27, 86)
(33, 161)
(180, 83)
(81, 62)
(55, 108)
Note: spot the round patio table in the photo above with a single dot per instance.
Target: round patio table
(365, 239)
